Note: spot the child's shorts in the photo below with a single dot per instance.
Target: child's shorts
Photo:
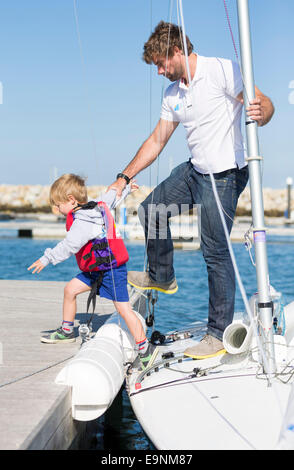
(114, 283)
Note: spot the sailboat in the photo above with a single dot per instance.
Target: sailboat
(243, 399)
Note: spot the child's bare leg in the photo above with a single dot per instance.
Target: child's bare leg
(131, 319)
(65, 334)
(71, 290)
(147, 351)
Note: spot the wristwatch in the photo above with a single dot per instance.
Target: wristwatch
(122, 175)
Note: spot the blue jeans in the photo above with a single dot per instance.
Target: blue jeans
(185, 186)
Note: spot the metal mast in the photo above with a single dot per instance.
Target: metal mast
(254, 161)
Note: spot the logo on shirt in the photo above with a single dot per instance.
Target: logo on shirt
(177, 107)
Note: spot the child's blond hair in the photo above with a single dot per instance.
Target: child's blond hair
(66, 185)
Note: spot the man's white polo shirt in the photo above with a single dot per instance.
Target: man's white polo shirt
(210, 113)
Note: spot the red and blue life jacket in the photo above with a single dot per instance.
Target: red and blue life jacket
(100, 254)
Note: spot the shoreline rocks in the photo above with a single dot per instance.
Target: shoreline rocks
(34, 198)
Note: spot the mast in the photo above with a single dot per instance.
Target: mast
(254, 161)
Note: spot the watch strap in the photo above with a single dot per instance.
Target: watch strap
(122, 175)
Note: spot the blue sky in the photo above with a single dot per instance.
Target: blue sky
(89, 115)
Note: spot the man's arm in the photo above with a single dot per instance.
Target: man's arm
(147, 153)
(261, 109)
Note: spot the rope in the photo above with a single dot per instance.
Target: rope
(34, 373)
(113, 283)
(231, 252)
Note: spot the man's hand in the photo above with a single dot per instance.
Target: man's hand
(119, 185)
(261, 108)
(256, 112)
(37, 266)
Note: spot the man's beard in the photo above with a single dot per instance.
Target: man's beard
(173, 77)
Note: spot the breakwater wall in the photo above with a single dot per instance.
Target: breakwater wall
(34, 198)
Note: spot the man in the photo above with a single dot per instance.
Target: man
(210, 108)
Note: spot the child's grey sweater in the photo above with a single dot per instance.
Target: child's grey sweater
(87, 225)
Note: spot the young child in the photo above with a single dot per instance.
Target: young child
(101, 256)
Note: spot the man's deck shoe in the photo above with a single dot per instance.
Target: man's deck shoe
(142, 280)
(207, 347)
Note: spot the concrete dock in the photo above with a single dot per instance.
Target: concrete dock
(35, 412)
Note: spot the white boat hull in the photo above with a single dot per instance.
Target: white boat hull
(228, 403)
(229, 411)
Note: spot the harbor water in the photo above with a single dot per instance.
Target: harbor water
(118, 428)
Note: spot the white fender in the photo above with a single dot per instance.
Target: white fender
(97, 371)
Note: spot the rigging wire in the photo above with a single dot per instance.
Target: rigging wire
(237, 58)
(94, 142)
(145, 262)
(232, 255)
(92, 133)
(158, 156)
(150, 96)
(96, 159)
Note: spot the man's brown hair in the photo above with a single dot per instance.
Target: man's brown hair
(163, 40)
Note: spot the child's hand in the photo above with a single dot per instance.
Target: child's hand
(37, 266)
(134, 185)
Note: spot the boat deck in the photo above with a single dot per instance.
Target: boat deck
(219, 403)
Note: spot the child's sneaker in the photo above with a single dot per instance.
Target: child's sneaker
(145, 360)
(58, 336)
